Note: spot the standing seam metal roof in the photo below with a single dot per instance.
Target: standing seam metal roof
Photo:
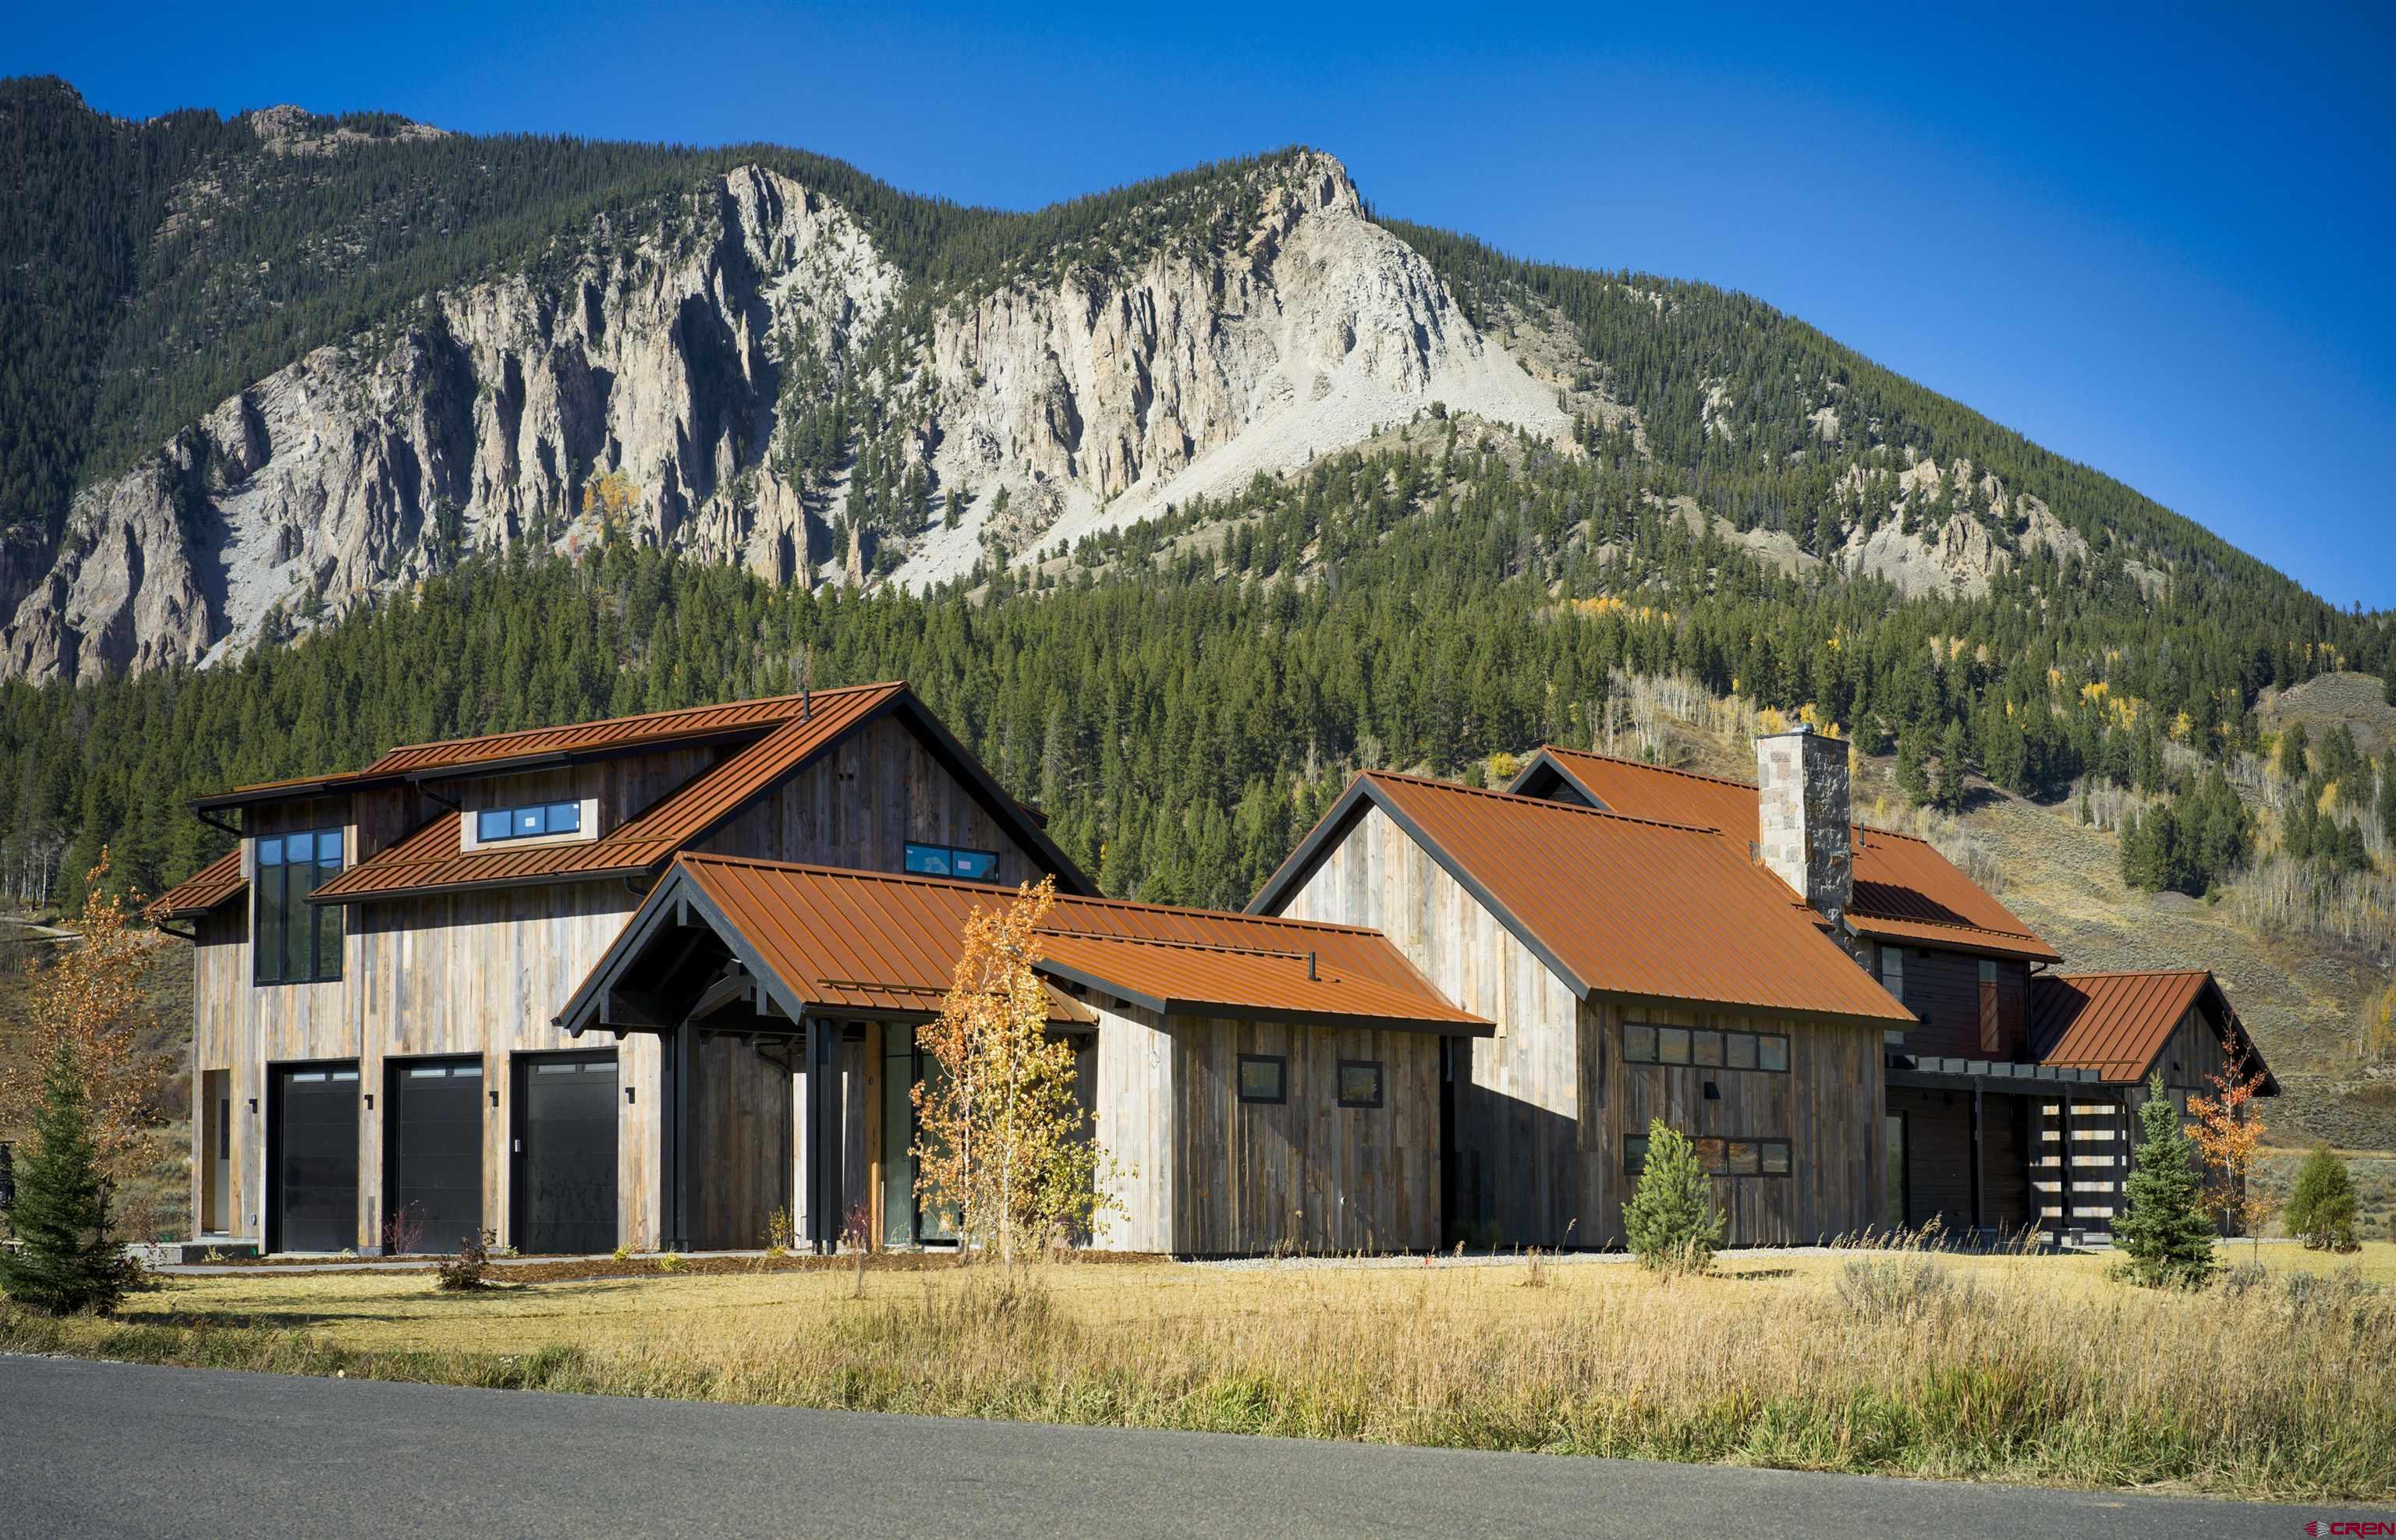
(1904, 889)
(1632, 907)
(2118, 1023)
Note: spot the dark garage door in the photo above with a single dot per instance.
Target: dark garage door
(434, 1134)
(565, 1154)
(313, 1166)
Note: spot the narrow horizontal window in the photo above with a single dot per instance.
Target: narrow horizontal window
(1264, 1078)
(1772, 1052)
(1713, 1155)
(1773, 1155)
(1671, 1045)
(540, 819)
(1359, 1083)
(939, 860)
(1638, 1042)
(1742, 1157)
(1738, 1050)
(1706, 1048)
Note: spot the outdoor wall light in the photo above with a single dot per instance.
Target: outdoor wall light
(1714, 1093)
(495, 1098)
(627, 1095)
(253, 1107)
(369, 1101)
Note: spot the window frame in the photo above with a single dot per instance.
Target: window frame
(321, 925)
(1651, 1036)
(548, 809)
(1634, 1156)
(948, 853)
(1281, 1070)
(1380, 1082)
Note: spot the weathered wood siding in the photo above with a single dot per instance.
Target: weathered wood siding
(742, 1134)
(1540, 1123)
(1945, 987)
(859, 805)
(484, 973)
(1518, 1115)
(1827, 1104)
(1135, 1069)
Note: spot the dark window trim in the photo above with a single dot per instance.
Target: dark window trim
(1656, 1057)
(1634, 1159)
(952, 851)
(1379, 1080)
(1281, 1069)
(546, 806)
(325, 923)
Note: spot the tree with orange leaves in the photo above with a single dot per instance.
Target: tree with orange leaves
(1004, 1141)
(88, 997)
(2228, 1132)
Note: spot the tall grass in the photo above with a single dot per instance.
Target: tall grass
(2017, 1369)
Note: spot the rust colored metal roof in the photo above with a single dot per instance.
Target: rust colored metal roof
(2118, 1023)
(1620, 906)
(836, 939)
(1905, 891)
(433, 859)
(215, 884)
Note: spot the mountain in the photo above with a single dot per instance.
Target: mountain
(268, 369)
(1180, 502)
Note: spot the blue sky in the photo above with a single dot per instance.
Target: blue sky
(2158, 242)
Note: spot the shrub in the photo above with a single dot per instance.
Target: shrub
(66, 1259)
(1672, 1221)
(2322, 1206)
(463, 1272)
(2165, 1231)
(1902, 1288)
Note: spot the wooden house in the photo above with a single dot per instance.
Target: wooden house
(383, 961)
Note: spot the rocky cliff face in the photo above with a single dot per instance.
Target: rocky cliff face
(647, 378)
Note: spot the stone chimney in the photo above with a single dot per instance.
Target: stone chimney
(1805, 815)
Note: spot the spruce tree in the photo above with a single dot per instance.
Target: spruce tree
(2322, 1207)
(66, 1260)
(1670, 1220)
(2163, 1228)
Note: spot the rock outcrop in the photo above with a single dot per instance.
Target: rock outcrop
(645, 379)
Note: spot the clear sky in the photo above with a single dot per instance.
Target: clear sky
(2161, 243)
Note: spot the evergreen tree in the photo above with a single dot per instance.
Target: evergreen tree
(1912, 778)
(66, 1259)
(1670, 1220)
(2163, 1226)
(2322, 1205)
(1947, 795)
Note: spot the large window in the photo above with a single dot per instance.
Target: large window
(1643, 1043)
(495, 824)
(939, 860)
(1720, 1156)
(295, 941)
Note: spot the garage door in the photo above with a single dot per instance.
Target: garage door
(565, 1154)
(313, 1166)
(434, 1137)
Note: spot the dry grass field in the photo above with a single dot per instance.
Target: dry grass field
(2005, 1368)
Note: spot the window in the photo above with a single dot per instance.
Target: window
(1718, 1157)
(1359, 1083)
(295, 941)
(494, 824)
(1643, 1043)
(936, 860)
(1264, 1078)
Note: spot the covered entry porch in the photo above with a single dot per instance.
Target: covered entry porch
(1991, 1150)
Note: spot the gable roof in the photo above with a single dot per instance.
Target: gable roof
(2118, 1023)
(1905, 891)
(771, 739)
(829, 939)
(1615, 905)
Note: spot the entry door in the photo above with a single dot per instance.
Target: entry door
(313, 1166)
(433, 1135)
(565, 1154)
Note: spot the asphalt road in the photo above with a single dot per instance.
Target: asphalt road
(103, 1449)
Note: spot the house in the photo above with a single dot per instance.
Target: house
(1578, 944)
(656, 982)
(397, 1038)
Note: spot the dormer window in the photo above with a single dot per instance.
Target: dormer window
(540, 820)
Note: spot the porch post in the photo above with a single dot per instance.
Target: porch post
(2063, 1181)
(678, 1186)
(1979, 1170)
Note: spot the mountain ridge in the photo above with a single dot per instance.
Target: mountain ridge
(962, 391)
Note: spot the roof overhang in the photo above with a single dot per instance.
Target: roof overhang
(1182, 1005)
